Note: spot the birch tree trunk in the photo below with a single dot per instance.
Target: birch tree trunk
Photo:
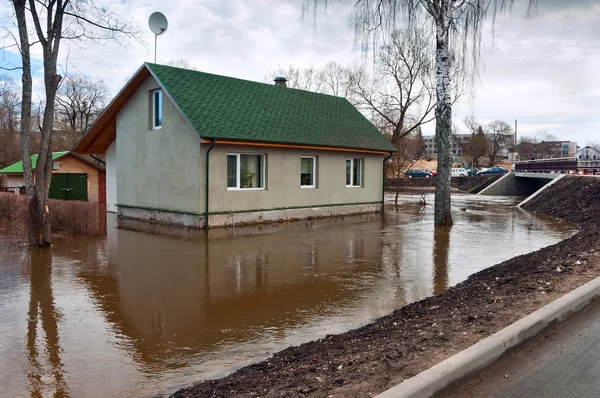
(39, 231)
(43, 172)
(443, 123)
(34, 233)
(86, 21)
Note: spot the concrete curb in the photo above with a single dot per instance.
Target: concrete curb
(483, 353)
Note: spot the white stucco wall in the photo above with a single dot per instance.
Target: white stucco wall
(111, 177)
(157, 169)
(282, 188)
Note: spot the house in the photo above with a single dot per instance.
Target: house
(185, 147)
(587, 153)
(74, 177)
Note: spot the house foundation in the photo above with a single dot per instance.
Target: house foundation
(159, 216)
(197, 221)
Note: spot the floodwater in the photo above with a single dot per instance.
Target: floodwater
(142, 313)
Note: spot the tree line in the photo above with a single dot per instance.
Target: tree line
(79, 101)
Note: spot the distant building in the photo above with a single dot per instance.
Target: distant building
(587, 153)
(430, 145)
(547, 149)
(74, 177)
(460, 142)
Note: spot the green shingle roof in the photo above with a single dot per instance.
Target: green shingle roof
(227, 108)
(18, 167)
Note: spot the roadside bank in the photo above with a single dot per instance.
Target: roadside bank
(377, 356)
(470, 184)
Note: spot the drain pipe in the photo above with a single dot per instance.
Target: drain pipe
(383, 182)
(207, 181)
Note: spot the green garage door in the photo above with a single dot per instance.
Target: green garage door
(69, 186)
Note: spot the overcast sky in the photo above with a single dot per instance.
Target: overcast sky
(543, 71)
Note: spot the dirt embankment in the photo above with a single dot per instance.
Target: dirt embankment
(573, 198)
(471, 184)
(368, 360)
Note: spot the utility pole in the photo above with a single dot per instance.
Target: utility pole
(516, 152)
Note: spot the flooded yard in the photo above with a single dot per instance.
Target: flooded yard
(142, 313)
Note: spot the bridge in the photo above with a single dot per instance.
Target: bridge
(533, 176)
(520, 183)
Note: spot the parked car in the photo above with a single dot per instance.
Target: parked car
(493, 170)
(472, 171)
(433, 173)
(459, 172)
(414, 173)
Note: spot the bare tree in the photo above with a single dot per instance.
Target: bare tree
(79, 101)
(409, 150)
(543, 136)
(53, 20)
(303, 79)
(9, 121)
(458, 24)
(477, 145)
(181, 63)
(399, 94)
(331, 79)
(525, 150)
(537, 137)
(594, 145)
(499, 135)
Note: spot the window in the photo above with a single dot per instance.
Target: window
(245, 171)
(308, 167)
(354, 172)
(157, 109)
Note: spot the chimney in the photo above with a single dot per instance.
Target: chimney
(280, 81)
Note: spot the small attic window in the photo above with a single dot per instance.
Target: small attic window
(157, 109)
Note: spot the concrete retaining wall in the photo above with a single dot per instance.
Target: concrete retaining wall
(267, 216)
(511, 185)
(197, 221)
(157, 216)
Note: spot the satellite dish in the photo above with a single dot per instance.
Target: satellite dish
(158, 25)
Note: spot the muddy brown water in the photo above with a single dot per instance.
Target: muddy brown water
(142, 313)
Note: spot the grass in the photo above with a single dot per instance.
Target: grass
(67, 217)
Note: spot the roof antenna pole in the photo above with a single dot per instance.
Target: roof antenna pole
(158, 25)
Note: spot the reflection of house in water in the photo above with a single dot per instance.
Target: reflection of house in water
(178, 299)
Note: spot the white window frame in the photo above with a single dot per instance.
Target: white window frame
(360, 172)
(314, 172)
(162, 95)
(238, 169)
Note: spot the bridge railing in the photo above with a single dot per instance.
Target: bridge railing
(588, 166)
(553, 165)
(558, 165)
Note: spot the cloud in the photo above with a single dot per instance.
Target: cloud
(542, 71)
